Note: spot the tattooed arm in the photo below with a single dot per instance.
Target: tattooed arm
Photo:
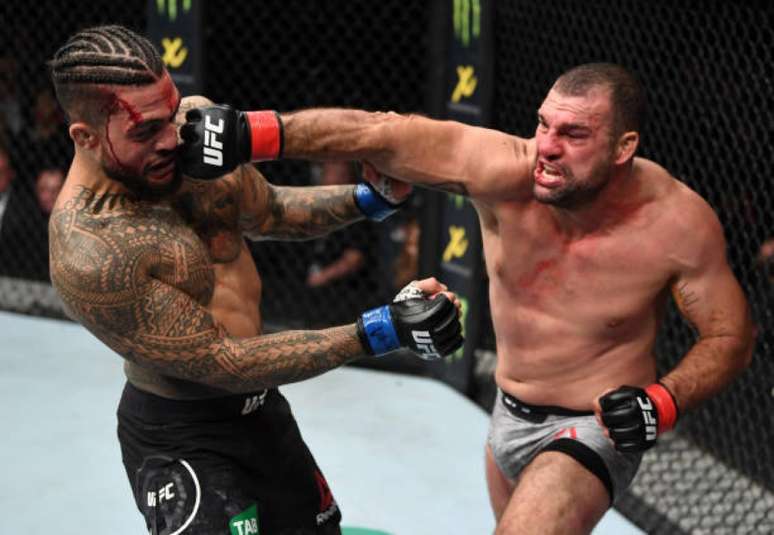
(710, 298)
(116, 275)
(482, 163)
(289, 213)
(244, 200)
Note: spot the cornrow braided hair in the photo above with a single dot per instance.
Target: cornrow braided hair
(103, 55)
(107, 55)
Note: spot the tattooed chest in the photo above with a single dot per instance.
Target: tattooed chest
(157, 243)
(185, 264)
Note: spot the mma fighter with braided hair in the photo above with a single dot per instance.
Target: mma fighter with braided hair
(583, 243)
(154, 264)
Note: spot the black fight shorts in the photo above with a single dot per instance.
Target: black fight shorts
(233, 465)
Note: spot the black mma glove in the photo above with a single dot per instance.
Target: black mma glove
(635, 417)
(429, 327)
(216, 139)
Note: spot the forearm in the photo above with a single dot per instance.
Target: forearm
(266, 361)
(410, 148)
(710, 365)
(325, 134)
(443, 155)
(302, 213)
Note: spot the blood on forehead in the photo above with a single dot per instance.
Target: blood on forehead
(164, 90)
(170, 92)
(134, 116)
(167, 92)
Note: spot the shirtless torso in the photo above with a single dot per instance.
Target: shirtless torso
(577, 293)
(576, 315)
(119, 237)
(583, 242)
(161, 282)
(154, 264)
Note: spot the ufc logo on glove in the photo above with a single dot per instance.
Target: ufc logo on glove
(425, 345)
(647, 416)
(213, 149)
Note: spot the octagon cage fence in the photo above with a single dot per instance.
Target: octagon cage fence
(708, 69)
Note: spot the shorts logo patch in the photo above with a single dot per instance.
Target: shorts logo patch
(328, 506)
(569, 431)
(165, 493)
(170, 494)
(245, 523)
(252, 403)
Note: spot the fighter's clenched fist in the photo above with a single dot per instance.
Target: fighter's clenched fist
(421, 318)
(216, 139)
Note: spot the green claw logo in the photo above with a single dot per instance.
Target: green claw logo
(466, 29)
(171, 8)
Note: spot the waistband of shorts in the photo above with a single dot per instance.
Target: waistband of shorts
(519, 408)
(151, 407)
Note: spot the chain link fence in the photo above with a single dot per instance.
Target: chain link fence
(708, 70)
(280, 55)
(296, 54)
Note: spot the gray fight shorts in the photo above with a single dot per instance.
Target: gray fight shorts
(519, 431)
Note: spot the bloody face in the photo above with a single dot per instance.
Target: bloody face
(139, 137)
(574, 148)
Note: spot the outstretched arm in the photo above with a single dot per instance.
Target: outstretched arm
(141, 285)
(445, 155)
(163, 329)
(263, 210)
(484, 164)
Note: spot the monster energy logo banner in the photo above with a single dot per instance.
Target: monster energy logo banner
(169, 8)
(174, 27)
(467, 78)
(467, 55)
(467, 20)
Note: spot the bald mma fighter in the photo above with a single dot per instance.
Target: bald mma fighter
(583, 242)
(154, 265)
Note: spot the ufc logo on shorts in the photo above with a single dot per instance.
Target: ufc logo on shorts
(425, 345)
(165, 493)
(647, 415)
(213, 149)
(253, 402)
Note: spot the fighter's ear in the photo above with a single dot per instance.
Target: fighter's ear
(626, 146)
(83, 135)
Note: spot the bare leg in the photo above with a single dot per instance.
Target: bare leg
(555, 495)
(500, 487)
